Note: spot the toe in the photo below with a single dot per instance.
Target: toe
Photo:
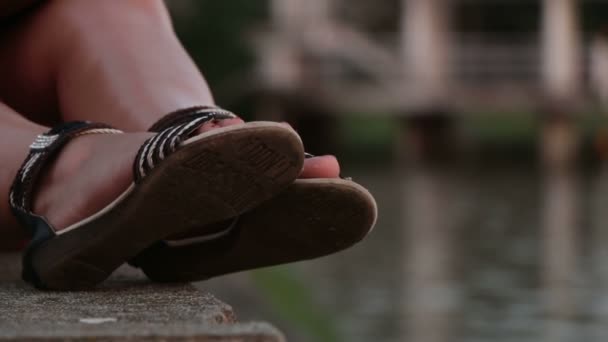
(321, 167)
(317, 167)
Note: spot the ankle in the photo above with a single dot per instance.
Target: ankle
(87, 174)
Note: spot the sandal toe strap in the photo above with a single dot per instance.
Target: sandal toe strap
(173, 129)
(200, 114)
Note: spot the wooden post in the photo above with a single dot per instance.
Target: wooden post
(426, 47)
(296, 24)
(296, 16)
(562, 80)
(561, 55)
(561, 67)
(425, 44)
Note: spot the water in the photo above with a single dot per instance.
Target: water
(508, 253)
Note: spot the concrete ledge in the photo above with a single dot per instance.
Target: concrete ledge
(127, 307)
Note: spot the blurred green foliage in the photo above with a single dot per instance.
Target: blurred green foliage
(215, 33)
(294, 301)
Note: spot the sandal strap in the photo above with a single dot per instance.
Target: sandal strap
(156, 148)
(185, 115)
(173, 129)
(41, 153)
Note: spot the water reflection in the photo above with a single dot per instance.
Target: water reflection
(508, 253)
(560, 258)
(598, 279)
(432, 300)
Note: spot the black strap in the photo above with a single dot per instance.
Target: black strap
(42, 151)
(157, 148)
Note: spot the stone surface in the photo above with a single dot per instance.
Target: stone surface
(126, 307)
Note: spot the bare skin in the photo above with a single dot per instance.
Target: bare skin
(116, 62)
(18, 133)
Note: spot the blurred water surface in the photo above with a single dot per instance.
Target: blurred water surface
(484, 253)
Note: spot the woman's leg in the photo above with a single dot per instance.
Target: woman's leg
(112, 61)
(117, 62)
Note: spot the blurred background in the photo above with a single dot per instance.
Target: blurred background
(480, 127)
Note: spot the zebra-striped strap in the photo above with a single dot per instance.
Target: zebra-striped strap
(42, 150)
(172, 130)
(186, 115)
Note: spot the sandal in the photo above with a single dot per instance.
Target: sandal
(180, 182)
(312, 218)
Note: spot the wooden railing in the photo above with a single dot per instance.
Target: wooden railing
(352, 71)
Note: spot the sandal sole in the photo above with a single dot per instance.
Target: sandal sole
(311, 219)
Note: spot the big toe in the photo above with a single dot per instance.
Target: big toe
(316, 167)
(321, 167)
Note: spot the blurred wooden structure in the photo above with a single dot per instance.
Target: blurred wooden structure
(311, 52)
